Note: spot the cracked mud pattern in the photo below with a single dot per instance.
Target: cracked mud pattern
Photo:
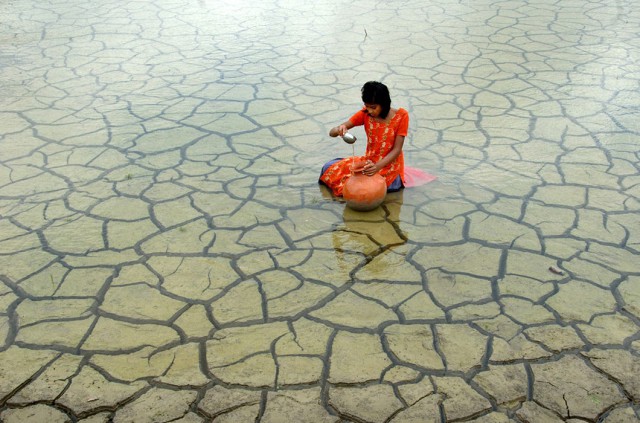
(167, 255)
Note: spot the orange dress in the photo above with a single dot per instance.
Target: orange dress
(381, 137)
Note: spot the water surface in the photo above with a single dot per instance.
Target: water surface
(166, 253)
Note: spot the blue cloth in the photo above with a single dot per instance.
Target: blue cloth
(396, 185)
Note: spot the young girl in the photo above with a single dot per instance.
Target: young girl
(385, 128)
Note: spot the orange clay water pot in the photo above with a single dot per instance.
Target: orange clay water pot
(362, 192)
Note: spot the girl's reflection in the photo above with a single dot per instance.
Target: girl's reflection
(370, 232)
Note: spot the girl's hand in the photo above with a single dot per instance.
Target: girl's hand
(338, 131)
(370, 168)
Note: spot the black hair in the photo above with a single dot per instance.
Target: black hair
(374, 92)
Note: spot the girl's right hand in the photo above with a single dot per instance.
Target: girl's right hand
(339, 131)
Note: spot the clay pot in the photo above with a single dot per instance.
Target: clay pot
(362, 192)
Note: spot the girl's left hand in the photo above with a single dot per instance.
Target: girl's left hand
(370, 168)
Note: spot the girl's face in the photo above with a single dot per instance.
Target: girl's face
(373, 110)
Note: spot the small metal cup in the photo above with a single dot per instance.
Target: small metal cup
(349, 138)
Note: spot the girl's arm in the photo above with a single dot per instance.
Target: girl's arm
(370, 168)
(341, 129)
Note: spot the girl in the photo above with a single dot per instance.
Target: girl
(386, 129)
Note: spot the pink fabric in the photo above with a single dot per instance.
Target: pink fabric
(415, 177)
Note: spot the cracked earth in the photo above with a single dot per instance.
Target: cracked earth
(166, 254)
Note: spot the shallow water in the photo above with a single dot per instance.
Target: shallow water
(166, 253)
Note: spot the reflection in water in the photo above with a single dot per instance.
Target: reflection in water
(370, 233)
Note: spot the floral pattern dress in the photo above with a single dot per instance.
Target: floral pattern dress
(381, 137)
